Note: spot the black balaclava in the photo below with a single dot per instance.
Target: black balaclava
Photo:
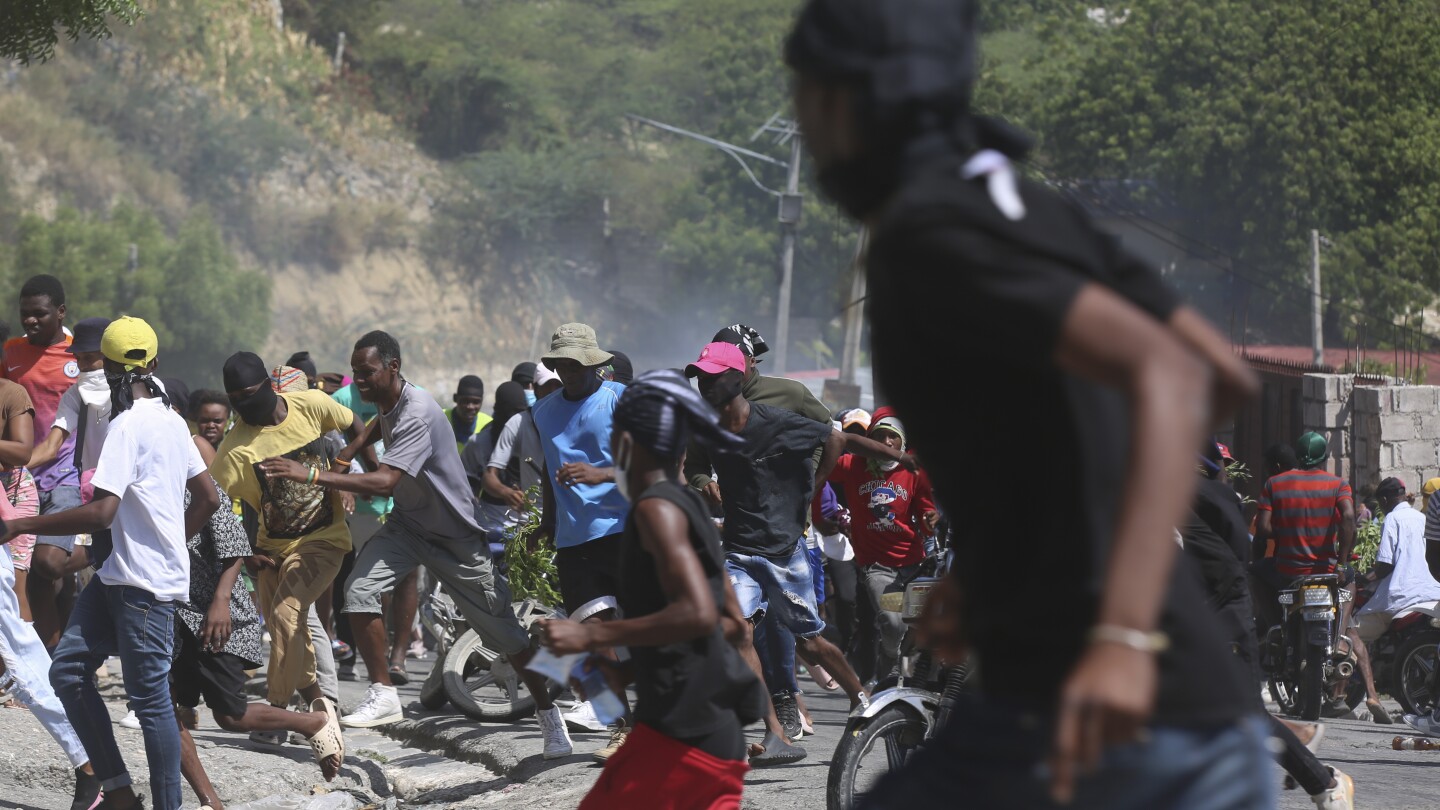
(662, 412)
(912, 65)
(243, 370)
(509, 400)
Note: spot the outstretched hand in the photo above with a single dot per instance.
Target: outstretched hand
(564, 637)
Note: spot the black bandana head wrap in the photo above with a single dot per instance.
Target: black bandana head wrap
(509, 400)
(122, 392)
(912, 64)
(662, 412)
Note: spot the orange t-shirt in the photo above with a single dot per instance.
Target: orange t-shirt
(46, 372)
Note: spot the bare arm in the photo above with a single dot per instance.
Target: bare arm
(690, 611)
(1233, 381)
(490, 482)
(207, 453)
(19, 442)
(869, 448)
(834, 446)
(1109, 695)
(364, 446)
(1346, 543)
(378, 484)
(48, 450)
(89, 518)
(204, 500)
(1263, 531)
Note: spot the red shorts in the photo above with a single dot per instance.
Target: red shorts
(654, 772)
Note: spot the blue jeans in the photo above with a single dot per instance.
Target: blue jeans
(776, 647)
(783, 588)
(140, 629)
(993, 754)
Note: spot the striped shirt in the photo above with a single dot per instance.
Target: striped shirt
(1306, 515)
(1432, 518)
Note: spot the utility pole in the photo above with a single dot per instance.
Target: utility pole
(854, 313)
(339, 63)
(790, 207)
(1317, 334)
(791, 203)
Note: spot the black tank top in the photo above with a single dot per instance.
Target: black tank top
(692, 688)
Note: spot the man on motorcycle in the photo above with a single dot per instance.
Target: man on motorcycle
(1310, 514)
(1400, 577)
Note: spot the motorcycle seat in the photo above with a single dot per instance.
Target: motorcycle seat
(1431, 609)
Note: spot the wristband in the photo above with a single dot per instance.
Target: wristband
(1138, 640)
(313, 475)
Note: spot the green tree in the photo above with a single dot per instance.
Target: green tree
(190, 288)
(1265, 121)
(30, 30)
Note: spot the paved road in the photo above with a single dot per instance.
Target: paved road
(467, 765)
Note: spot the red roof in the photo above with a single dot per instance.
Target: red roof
(1301, 358)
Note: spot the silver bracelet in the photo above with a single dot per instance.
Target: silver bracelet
(1138, 640)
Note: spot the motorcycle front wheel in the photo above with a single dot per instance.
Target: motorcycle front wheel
(1415, 664)
(870, 748)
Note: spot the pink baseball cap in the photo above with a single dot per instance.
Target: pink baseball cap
(717, 358)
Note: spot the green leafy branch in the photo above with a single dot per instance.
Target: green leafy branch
(1367, 542)
(532, 572)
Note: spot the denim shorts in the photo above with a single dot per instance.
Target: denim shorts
(59, 499)
(785, 589)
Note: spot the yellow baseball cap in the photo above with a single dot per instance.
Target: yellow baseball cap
(130, 342)
(1431, 487)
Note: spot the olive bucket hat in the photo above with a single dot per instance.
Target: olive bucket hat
(576, 341)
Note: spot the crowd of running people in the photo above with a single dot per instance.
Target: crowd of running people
(713, 528)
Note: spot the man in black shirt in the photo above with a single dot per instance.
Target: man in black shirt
(1090, 363)
(765, 491)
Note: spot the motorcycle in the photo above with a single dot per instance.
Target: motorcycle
(442, 620)
(880, 737)
(1307, 656)
(1404, 658)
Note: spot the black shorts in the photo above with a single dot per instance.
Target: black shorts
(218, 677)
(590, 576)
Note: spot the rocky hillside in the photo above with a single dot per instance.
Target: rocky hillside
(215, 103)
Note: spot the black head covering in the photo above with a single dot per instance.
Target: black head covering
(524, 374)
(509, 400)
(662, 412)
(243, 370)
(913, 63)
(622, 371)
(179, 393)
(302, 361)
(743, 336)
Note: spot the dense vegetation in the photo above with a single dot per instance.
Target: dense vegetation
(1252, 123)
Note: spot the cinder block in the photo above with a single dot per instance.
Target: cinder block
(1314, 387)
(1368, 400)
(1418, 453)
(1399, 427)
(1415, 399)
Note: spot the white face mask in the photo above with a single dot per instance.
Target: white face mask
(622, 468)
(94, 388)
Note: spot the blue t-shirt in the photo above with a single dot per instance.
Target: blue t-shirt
(580, 431)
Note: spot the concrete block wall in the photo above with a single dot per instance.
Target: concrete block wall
(1392, 430)
(1328, 408)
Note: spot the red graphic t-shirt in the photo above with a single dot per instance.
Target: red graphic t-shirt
(886, 510)
(46, 372)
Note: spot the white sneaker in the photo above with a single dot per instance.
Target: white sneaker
(557, 739)
(1340, 797)
(582, 719)
(1424, 723)
(380, 707)
(129, 720)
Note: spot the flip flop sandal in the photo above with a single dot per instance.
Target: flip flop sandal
(330, 741)
(398, 676)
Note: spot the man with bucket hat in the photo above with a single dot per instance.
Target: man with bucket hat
(584, 510)
(147, 464)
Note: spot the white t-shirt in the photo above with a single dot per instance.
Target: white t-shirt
(505, 443)
(147, 458)
(94, 391)
(1402, 544)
